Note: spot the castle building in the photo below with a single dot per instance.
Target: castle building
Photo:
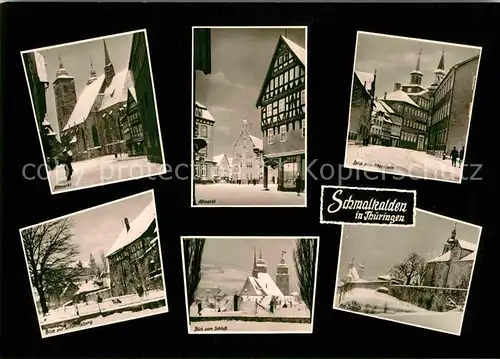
(363, 92)
(260, 283)
(282, 102)
(452, 106)
(453, 268)
(247, 156)
(283, 276)
(134, 258)
(203, 132)
(90, 126)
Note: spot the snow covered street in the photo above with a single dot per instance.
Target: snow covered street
(101, 170)
(232, 194)
(248, 326)
(445, 321)
(401, 161)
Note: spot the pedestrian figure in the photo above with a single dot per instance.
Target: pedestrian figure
(254, 182)
(67, 159)
(271, 305)
(116, 155)
(298, 186)
(461, 157)
(454, 156)
(200, 307)
(274, 180)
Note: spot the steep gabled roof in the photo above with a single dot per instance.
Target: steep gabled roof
(265, 285)
(117, 91)
(401, 96)
(205, 114)
(467, 245)
(257, 142)
(137, 228)
(442, 258)
(218, 159)
(298, 51)
(366, 79)
(469, 257)
(84, 104)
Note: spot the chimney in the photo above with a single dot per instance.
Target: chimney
(385, 95)
(127, 224)
(397, 86)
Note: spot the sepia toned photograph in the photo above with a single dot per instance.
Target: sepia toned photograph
(96, 267)
(95, 109)
(419, 276)
(411, 106)
(253, 285)
(249, 116)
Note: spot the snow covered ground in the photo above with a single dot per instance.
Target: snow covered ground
(229, 326)
(67, 313)
(401, 161)
(445, 321)
(110, 319)
(101, 170)
(232, 194)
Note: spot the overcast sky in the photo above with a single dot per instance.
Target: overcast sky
(76, 60)
(97, 229)
(240, 59)
(228, 262)
(395, 58)
(379, 248)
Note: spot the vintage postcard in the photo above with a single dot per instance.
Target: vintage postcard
(249, 117)
(252, 285)
(367, 206)
(411, 106)
(95, 109)
(95, 267)
(419, 276)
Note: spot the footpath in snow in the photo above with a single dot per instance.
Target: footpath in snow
(102, 170)
(227, 194)
(401, 161)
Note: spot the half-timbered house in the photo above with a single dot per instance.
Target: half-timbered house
(282, 101)
(247, 156)
(132, 127)
(222, 170)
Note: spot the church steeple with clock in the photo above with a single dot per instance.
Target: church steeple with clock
(64, 94)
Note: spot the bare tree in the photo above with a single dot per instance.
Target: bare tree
(410, 268)
(304, 259)
(50, 255)
(193, 253)
(104, 262)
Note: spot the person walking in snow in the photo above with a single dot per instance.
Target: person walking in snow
(461, 156)
(298, 184)
(67, 160)
(454, 156)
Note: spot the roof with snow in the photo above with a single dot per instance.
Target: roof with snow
(205, 114)
(264, 285)
(230, 160)
(46, 123)
(469, 257)
(400, 96)
(380, 105)
(297, 50)
(218, 159)
(442, 258)
(116, 92)
(88, 288)
(366, 79)
(137, 228)
(257, 142)
(467, 245)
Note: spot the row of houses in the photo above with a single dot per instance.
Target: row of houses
(433, 118)
(278, 155)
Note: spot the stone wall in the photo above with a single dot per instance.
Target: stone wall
(430, 298)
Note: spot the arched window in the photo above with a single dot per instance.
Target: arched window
(95, 136)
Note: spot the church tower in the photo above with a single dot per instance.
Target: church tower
(259, 266)
(93, 75)
(64, 94)
(416, 75)
(109, 69)
(282, 276)
(92, 265)
(439, 74)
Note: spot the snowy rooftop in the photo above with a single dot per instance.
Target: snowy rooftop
(442, 258)
(467, 245)
(257, 142)
(381, 106)
(264, 285)
(41, 67)
(217, 159)
(205, 114)
(84, 103)
(137, 227)
(117, 91)
(470, 257)
(88, 287)
(230, 160)
(299, 51)
(400, 96)
(366, 78)
(46, 123)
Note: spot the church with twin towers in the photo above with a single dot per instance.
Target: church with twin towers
(90, 122)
